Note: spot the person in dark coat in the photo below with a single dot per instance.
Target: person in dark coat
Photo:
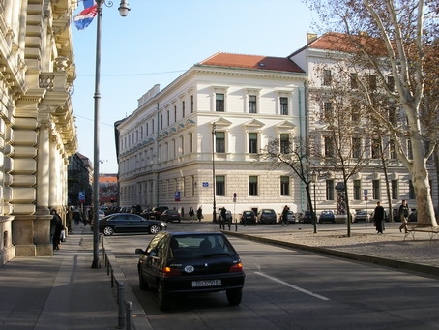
(55, 229)
(378, 217)
(284, 216)
(403, 213)
(199, 214)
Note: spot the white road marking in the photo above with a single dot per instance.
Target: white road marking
(298, 288)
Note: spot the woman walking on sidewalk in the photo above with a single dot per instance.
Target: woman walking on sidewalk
(378, 218)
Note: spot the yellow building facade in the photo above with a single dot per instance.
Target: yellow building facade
(37, 131)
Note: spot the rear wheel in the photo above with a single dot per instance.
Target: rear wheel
(154, 229)
(163, 298)
(234, 296)
(108, 231)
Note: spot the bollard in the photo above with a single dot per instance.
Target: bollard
(112, 278)
(129, 307)
(120, 302)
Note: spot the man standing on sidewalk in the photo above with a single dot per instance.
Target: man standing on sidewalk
(403, 214)
(378, 218)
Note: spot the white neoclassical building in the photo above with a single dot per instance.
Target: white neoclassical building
(37, 132)
(324, 60)
(202, 134)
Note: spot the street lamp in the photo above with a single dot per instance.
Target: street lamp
(123, 11)
(314, 218)
(213, 172)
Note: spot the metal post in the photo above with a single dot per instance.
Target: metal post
(97, 97)
(213, 170)
(129, 308)
(314, 215)
(120, 302)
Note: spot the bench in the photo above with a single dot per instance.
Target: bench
(412, 228)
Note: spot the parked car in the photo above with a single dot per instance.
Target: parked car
(266, 216)
(306, 217)
(190, 262)
(413, 216)
(361, 215)
(129, 223)
(170, 215)
(154, 213)
(327, 216)
(248, 217)
(291, 217)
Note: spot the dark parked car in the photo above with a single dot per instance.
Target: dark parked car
(266, 216)
(190, 262)
(291, 218)
(327, 217)
(129, 223)
(306, 217)
(248, 217)
(154, 213)
(170, 215)
(361, 215)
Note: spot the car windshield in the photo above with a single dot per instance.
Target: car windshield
(190, 246)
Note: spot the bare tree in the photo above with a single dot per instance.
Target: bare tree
(393, 39)
(292, 152)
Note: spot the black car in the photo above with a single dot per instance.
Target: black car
(307, 217)
(170, 215)
(248, 217)
(327, 217)
(190, 262)
(266, 216)
(129, 223)
(154, 213)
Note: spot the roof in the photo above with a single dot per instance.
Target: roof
(252, 62)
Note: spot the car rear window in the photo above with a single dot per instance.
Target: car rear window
(191, 246)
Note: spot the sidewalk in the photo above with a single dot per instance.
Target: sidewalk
(60, 291)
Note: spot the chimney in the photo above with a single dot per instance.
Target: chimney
(310, 37)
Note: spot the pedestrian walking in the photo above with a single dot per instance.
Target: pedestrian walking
(191, 214)
(56, 227)
(284, 216)
(199, 214)
(378, 218)
(403, 214)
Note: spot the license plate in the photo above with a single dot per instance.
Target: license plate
(206, 283)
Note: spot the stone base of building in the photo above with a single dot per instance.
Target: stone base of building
(6, 255)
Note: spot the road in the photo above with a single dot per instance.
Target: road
(293, 289)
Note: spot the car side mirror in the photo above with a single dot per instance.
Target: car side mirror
(139, 251)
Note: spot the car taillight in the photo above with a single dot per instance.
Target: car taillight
(170, 271)
(236, 268)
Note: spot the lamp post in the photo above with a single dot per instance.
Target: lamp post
(314, 217)
(123, 11)
(213, 172)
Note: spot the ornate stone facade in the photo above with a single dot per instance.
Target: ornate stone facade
(37, 132)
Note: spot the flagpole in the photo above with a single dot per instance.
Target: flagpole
(123, 10)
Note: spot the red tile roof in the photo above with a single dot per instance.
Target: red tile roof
(252, 62)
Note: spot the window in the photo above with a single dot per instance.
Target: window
(376, 148)
(220, 186)
(328, 110)
(394, 187)
(409, 149)
(252, 143)
(327, 77)
(285, 186)
(192, 103)
(220, 145)
(284, 143)
(356, 147)
(219, 102)
(372, 82)
(376, 189)
(392, 147)
(330, 188)
(283, 102)
(252, 104)
(392, 115)
(357, 189)
(354, 80)
(391, 83)
(329, 146)
(175, 113)
(183, 105)
(190, 142)
(253, 185)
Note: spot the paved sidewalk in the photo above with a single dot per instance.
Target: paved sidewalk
(60, 291)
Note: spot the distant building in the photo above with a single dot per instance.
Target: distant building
(80, 180)
(219, 114)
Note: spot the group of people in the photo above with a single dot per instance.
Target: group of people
(379, 217)
(199, 214)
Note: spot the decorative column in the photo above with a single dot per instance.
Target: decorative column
(43, 169)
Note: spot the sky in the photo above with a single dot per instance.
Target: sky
(160, 40)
